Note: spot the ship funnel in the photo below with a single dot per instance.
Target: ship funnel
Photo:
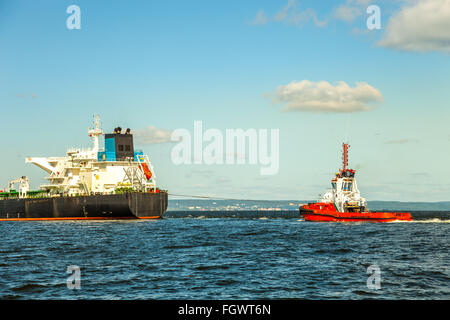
(118, 147)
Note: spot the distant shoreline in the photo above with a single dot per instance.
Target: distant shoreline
(292, 205)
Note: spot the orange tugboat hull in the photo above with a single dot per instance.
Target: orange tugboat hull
(326, 212)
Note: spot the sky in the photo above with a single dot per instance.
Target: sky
(311, 69)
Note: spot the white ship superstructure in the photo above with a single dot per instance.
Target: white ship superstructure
(94, 171)
(345, 193)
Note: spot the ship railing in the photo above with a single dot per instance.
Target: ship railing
(77, 150)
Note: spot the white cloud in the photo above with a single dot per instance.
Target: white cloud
(347, 13)
(361, 2)
(260, 18)
(283, 13)
(351, 9)
(151, 135)
(291, 15)
(422, 26)
(32, 95)
(324, 97)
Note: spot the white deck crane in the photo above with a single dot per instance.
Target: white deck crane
(24, 186)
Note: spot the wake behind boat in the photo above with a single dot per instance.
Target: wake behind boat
(344, 202)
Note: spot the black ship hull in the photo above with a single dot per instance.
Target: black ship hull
(132, 205)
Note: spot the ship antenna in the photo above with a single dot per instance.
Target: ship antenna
(97, 121)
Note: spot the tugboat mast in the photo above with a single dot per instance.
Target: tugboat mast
(345, 147)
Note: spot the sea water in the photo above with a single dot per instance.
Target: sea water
(226, 255)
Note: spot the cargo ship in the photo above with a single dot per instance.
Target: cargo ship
(117, 182)
(343, 203)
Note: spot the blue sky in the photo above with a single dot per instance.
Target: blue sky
(166, 64)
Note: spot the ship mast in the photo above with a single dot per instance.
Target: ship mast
(95, 132)
(345, 147)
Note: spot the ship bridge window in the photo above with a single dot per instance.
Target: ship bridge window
(333, 184)
(347, 186)
(127, 147)
(120, 147)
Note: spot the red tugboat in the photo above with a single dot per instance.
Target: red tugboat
(344, 202)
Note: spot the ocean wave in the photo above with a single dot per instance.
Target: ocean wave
(222, 258)
(211, 267)
(433, 220)
(29, 287)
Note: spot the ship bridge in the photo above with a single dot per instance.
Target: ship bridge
(344, 193)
